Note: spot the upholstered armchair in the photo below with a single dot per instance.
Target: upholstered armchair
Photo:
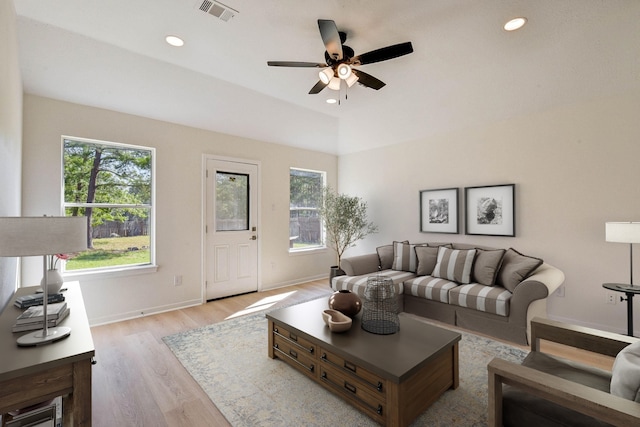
(547, 390)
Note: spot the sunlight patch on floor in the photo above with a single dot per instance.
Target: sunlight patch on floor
(262, 304)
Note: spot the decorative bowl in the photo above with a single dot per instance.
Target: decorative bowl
(336, 321)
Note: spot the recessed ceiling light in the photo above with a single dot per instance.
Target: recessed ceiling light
(174, 41)
(515, 24)
(331, 101)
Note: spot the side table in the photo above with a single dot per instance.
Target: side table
(30, 375)
(629, 291)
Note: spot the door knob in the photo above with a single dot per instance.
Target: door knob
(253, 238)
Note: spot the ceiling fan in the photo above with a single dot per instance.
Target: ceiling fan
(340, 60)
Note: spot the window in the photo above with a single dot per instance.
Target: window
(232, 201)
(305, 200)
(112, 185)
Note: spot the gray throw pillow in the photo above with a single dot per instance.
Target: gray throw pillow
(487, 265)
(454, 264)
(515, 268)
(427, 258)
(385, 256)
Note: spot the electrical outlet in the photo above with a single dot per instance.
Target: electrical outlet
(611, 298)
(177, 280)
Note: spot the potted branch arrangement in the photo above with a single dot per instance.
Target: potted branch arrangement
(345, 219)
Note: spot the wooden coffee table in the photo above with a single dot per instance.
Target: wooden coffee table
(391, 378)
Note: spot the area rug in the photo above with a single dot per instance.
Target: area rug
(229, 361)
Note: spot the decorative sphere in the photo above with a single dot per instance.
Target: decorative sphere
(346, 302)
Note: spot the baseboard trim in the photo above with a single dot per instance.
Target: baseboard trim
(105, 320)
(298, 281)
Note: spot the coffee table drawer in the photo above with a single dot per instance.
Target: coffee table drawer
(303, 344)
(354, 391)
(370, 380)
(294, 355)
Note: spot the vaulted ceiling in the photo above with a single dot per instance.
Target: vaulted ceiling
(465, 71)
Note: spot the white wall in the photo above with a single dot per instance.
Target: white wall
(179, 152)
(10, 137)
(574, 168)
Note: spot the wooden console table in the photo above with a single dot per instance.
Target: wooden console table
(30, 375)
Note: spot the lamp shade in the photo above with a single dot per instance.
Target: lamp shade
(43, 235)
(622, 232)
(326, 75)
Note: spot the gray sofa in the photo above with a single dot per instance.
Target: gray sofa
(492, 291)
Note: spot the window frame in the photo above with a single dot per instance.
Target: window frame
(323, 234)
(124, 269)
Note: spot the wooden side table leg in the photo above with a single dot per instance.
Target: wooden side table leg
(80, 399)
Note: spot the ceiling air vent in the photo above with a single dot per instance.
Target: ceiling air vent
(217, 9)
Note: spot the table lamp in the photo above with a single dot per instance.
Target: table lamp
(45, 235)
(624, 232)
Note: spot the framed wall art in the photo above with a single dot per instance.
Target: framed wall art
(439, 211)
(491, 210)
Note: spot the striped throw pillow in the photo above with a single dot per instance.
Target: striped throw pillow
(404, 257)
(454, 264)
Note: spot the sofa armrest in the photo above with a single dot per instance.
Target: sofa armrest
(549, 275)
(594, 340)
(361, 264)
(589, 401)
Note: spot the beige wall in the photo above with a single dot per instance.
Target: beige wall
(10, 137)
(179, 152)
(574, 168)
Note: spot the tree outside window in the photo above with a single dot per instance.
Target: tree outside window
(305, 200)
(111, 185)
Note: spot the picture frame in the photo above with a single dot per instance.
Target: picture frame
(490, 210)
(439, 211)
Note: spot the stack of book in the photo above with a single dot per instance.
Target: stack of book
(26, 301)
(33, 318)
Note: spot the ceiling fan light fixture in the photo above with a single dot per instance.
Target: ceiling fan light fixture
(515, 24)
(326, 75)
(334, 84)
(331, 100)
(351, 80)
(344, 71)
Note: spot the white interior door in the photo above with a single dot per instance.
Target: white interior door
(231, 260)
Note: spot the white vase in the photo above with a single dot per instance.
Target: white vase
(54, 282)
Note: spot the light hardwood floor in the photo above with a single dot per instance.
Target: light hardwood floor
(138, 381)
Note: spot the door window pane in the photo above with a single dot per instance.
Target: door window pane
(232, 201)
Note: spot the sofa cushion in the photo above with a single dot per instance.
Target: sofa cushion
(427, 257)
(358, 284)
(404, 257)
(625, 376)
(454, 264)
(490, 299)
(487, 265)
(432, 288)
(385, 255)
(515, 268)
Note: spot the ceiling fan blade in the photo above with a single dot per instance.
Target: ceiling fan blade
(368, 80)
(330, 38)
(317, 88)
(383, 54)
(295, 64)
